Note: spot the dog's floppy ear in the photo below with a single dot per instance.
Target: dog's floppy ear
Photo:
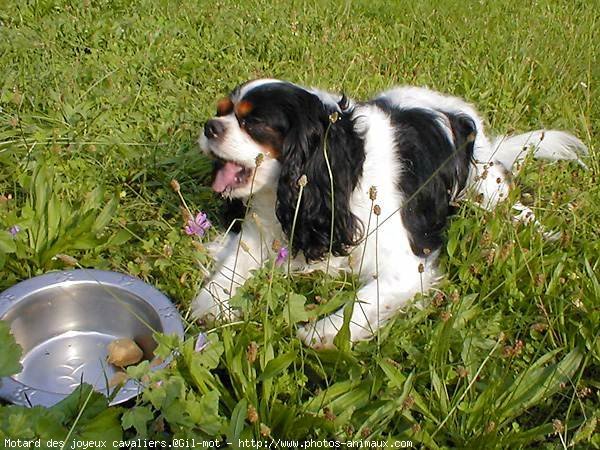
(314, 131)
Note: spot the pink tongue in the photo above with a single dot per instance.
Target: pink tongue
(226, 176)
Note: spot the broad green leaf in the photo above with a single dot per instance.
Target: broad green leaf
(440, 391)
(104, 426)
(209, 357)
(556, 275)
(452, 244)
(85, 243)
(42, 187)
(94, 199)
(105, 216)
(386, 412)
(238, 420)
(138, 418)
(82, 225)
(266, 355)
(167, 343)
(536, 384)
(84, 401)
(295, 311)
(7, 242)
(120, 238)
(139, 370)
(11, 352)
(40, 232)
(342, 338)
(205, 412)
(326, 396)
(395, 377)
(277, 365)
(584, 432)
(54, 219)
(356, 398)
(19, 424)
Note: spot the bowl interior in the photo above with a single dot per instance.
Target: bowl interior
(65, 329)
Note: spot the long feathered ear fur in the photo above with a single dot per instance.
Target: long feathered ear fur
(313, 131)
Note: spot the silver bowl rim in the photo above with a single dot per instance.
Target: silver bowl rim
(19, 393)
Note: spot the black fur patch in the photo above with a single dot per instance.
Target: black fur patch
(304, 122)
(235, 211)
(433, 168)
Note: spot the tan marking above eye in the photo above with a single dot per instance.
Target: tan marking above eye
(243, 108)
(224, 106)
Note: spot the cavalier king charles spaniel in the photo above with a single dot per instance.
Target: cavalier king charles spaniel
(323, 166)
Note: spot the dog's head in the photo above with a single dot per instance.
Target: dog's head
(268, 133)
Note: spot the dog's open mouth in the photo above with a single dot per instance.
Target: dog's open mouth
(230, 175)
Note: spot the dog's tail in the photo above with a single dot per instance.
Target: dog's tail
(492, 181)
(496, 162)
(544, 144)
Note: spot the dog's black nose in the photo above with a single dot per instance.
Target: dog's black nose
(213, 128)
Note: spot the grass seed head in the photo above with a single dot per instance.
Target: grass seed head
(276, 245)
(455, 297)
(186, 214)
(244, 246)
(584, 392)
(328, 413)
(259, 159)
(558, 426)
(539, 327)
(373, 193)
(252, 414)
(408, 402)
(252, 352)
(438, 299)
(265, 431)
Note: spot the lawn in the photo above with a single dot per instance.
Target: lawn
(101, 104)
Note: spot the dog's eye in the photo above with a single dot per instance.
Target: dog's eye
(248, 123)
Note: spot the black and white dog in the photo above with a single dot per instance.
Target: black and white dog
(302, 158)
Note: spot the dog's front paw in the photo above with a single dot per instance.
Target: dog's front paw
(320, 334)
(208, 308)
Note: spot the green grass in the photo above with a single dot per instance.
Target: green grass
(101, 103)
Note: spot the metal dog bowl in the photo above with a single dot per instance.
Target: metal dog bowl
(64, 322)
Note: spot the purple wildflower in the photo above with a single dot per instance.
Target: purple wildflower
(14, 230)
(197, 226)
(201, 342)
(282, 255)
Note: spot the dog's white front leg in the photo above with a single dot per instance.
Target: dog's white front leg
(232, 267)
